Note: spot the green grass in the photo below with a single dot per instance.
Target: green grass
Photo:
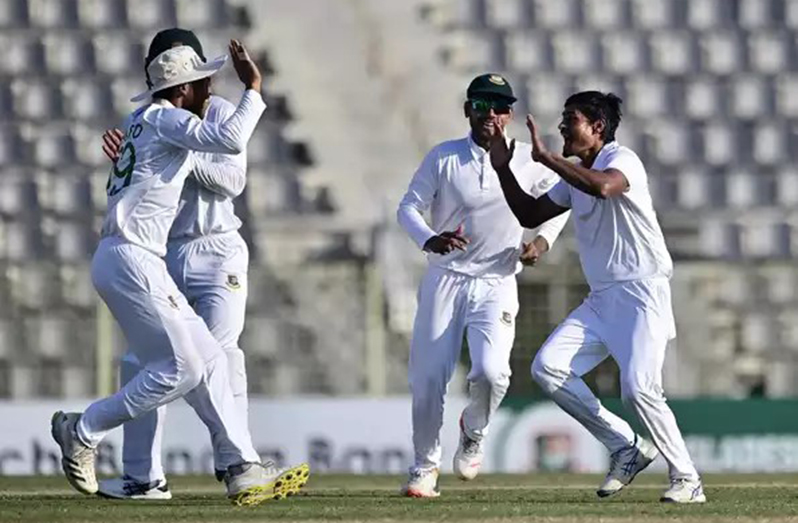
(488, 499)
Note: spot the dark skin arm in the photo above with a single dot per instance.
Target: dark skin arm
(601, 184)
(531, 212)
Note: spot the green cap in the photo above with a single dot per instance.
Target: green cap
(490, 85)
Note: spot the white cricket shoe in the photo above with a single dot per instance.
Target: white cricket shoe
(684, 491)
(77, 459)
(625, 464)
(422, 484)
(128, 488)
(253, 483)
(468, 458)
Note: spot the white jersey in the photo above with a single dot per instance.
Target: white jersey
(619, 238)
(206, 203)
(145, 183)
(457, 180)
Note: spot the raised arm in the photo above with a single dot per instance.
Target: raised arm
(531, 212)
(600, 184)
(230, 136)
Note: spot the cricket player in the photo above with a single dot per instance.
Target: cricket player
(474, 248)
(627, 314)
(178, 354)
(208, 260)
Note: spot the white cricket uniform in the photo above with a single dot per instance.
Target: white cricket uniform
(208, 260)
(472, 292)
(179, 355)
(627, 314)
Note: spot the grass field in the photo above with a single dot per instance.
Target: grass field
(490, 498)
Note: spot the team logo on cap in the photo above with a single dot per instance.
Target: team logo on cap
(496, 79)
(233, 282)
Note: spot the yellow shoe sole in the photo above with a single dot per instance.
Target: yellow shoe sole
(285, 485)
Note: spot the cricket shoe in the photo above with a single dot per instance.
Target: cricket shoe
(77, 459)
(468, 458)
(684, 491)
(422, 484)
(128, 488)
(625, 464)
(250, 484)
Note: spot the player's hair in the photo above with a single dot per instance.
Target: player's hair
(598, 106)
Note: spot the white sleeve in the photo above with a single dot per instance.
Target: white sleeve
(550, 230)
(224, 174)
(185, 130)
(418, 198)
(630, 165)
(561, 194)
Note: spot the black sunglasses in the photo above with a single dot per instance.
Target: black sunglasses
(482, 106)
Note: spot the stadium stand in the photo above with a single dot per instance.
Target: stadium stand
(357, 93)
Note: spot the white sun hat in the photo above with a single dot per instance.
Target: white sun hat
(178, 65)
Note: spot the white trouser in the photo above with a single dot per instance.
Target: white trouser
(212, 274)
(632, 322)
(179, 355)
(449, 305)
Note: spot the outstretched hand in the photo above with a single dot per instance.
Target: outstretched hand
(246, 69)
(500, 153)
(539, 150)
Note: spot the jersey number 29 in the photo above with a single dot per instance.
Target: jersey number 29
(122, 170)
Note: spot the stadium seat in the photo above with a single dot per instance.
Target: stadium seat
(770, 143)
(721, 52)
(702, 99)
(704, 15)
(787, 186)
(32, 286)
(574, 52)
(144, 15)
(86, 100)
(13, 148)
(21, 54)
(786, 85)
(605, 15)
(547, 93)
(748, 96)
(102, 14)
(623, 52)
(36, 99)
(75, 286)
(115, 55)
(528, 51)
(693, 190)
(742, 189)
(53, 147)
(51, 14)
(506, 14)
(201, 14)
(719, 142)
(672, 52)
(14, 14)
(17, 193)
(756, 332)
(791, 14)
(554, 15)
(754, 14)
(68, 54)
(652, 14)
(70, 239)
(769, 52)
(646, 96)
